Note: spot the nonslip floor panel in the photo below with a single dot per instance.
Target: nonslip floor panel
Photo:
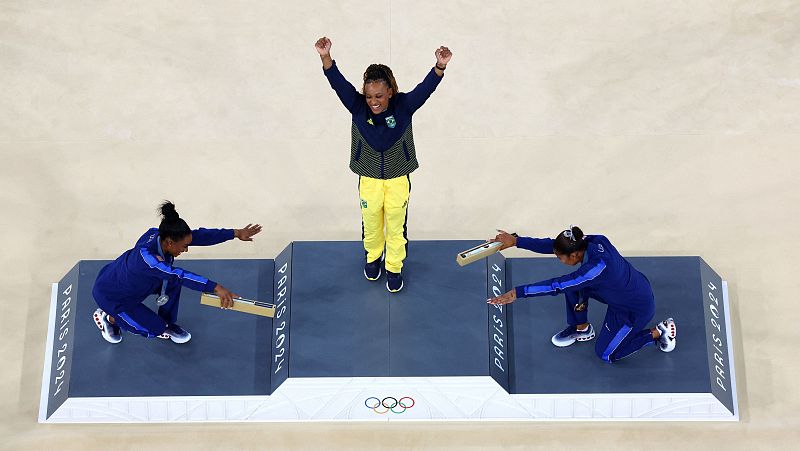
(227, 355)
(541, 367)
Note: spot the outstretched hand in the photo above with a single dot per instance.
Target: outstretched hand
(505, 298)
(246, 234)
(443, 55)
(323, 46)
(506, 238)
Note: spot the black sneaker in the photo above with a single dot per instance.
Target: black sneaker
(394, 281)
(372, 271)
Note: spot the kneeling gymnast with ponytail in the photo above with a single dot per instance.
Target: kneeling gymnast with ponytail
(147, 269)
(604, 275)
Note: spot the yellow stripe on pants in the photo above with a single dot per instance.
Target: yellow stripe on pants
(385, 203)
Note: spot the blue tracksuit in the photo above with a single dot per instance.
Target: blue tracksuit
(123, 284)
(604, 275)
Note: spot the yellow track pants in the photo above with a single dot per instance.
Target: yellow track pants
(384, 203)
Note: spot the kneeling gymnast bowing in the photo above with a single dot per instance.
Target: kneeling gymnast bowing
(604, 275)
(122, 285)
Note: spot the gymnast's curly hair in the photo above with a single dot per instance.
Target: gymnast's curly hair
(380, 72)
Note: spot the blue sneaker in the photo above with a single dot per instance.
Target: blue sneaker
(372, 271)
(176, 333)
(394, 281)
(108, 330)
(571, 334)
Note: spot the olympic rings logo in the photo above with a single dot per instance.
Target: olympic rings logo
(389, 404)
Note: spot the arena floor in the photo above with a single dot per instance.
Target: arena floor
(670, 128)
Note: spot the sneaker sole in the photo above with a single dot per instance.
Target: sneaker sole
(180, 340)
(669, 347)
(672, 328)
(379, 275)
(166, 336)
(564, 344)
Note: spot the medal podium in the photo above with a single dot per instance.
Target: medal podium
(342, 348)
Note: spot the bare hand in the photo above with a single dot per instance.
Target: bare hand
(225, 297)
(246, 234)
(506, 238)
(443, 55)
(505, 298)
(323, 46)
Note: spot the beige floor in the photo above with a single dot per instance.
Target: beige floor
(671, 127)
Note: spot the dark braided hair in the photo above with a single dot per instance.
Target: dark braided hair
(172, 226)
(380, 72)
(569, 241)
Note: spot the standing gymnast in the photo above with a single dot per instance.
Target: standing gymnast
(123, 284)
(382, 154)
(604, 275)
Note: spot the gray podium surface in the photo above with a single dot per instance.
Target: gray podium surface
(346, 326)
(228, 354)
(541, 367)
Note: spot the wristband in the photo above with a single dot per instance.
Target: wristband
(440, 68)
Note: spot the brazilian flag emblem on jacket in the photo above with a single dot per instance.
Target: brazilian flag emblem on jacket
(390, 122)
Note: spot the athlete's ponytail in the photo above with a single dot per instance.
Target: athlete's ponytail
(172, 226)
(380, 72)
(569, 241)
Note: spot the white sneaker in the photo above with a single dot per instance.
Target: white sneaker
(571, 334)
(109, 331)
(176, 333)
(667, 341)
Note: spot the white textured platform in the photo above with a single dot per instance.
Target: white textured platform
(345, 399)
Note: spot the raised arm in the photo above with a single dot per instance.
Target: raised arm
(443, 55)
(415, 98)
(323, 47)
(344, 89)
(210, 237)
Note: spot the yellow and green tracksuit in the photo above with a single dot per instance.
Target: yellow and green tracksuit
(384, 204)
(382, 153)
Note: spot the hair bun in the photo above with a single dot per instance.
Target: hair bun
(168, 211)
(577, 233)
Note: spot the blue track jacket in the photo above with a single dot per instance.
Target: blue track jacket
(141, 271)
(604, 275)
